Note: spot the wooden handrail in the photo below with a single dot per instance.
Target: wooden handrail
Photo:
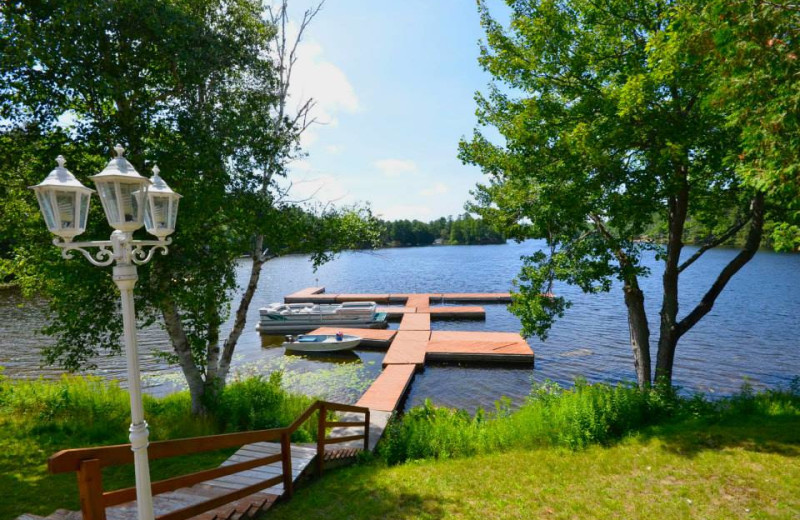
(68, 460)
(88, 462)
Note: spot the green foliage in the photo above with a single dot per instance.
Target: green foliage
(573, 419)
(257, 403)
(463, 230)
(191, 86)
(752, 51)
(607, 117)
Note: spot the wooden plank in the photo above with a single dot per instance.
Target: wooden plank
(405, 353)
(419, 301)
(286, 464)
(120, 496)
(336, 440)
(90, 490)
(389, 388)
(377, 298)
(477, 297)
(418, 321)
(479, 346)
(337, 424)
(344, 407)
(457, 312)
(408, 347)
(321, 440)
(194, 510)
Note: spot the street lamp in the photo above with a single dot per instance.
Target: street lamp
(129, 201)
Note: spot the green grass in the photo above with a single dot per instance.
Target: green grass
(571, 418)
(39, 418)
(737, 467)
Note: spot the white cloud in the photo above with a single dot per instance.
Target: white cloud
(323, 82)
(395, 167)
(301, 165)
(333, 149)
(438, 188)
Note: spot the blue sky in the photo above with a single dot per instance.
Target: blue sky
(394, 85)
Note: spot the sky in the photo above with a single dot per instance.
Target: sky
(394, 86)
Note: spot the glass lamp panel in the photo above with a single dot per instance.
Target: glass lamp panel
(173, 212)
(65, 202)
(84, 211)
(45, 203)
(131, 198)
(161, 211)
(108, 196)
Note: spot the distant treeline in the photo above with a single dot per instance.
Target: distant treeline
(463, 230)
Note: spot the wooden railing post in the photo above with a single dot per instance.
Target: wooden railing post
(90, 487)
(366, 430)
(286, 460)
(323, 417)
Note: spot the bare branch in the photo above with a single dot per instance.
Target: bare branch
(713, 242)
(744, 256)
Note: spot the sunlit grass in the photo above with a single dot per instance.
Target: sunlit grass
(740, 468)
(39, 418)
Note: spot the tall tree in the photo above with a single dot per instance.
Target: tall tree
(607, 117)
(194, 86)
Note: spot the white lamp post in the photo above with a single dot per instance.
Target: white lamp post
(129, 201)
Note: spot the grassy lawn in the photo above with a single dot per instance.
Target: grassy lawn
(744, 468)
(39, 418)
(27, 487)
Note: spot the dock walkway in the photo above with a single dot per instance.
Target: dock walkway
(414, 343)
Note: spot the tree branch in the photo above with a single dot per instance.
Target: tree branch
(750, 248)
(714, 242)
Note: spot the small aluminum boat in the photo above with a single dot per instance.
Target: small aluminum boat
(321, 342)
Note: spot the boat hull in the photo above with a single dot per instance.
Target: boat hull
(329, 345)
(301, 328)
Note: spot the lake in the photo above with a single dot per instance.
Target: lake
(753, 332)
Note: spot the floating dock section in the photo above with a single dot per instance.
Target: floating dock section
(414, 343)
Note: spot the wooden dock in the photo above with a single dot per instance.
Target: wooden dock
(414, 343)
(318, 295)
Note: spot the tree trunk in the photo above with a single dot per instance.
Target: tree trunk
(634, 301)
(666, 348)
(639, 331)
(668, 333)
(180, 343)
(241, 312)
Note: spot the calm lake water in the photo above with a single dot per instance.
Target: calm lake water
(752, 333)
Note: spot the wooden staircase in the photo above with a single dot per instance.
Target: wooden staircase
(249, 482)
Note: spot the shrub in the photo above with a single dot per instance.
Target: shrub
(259, 403)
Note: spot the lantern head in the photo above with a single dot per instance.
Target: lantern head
(64, 202)
(161, 211)
(123, 193)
